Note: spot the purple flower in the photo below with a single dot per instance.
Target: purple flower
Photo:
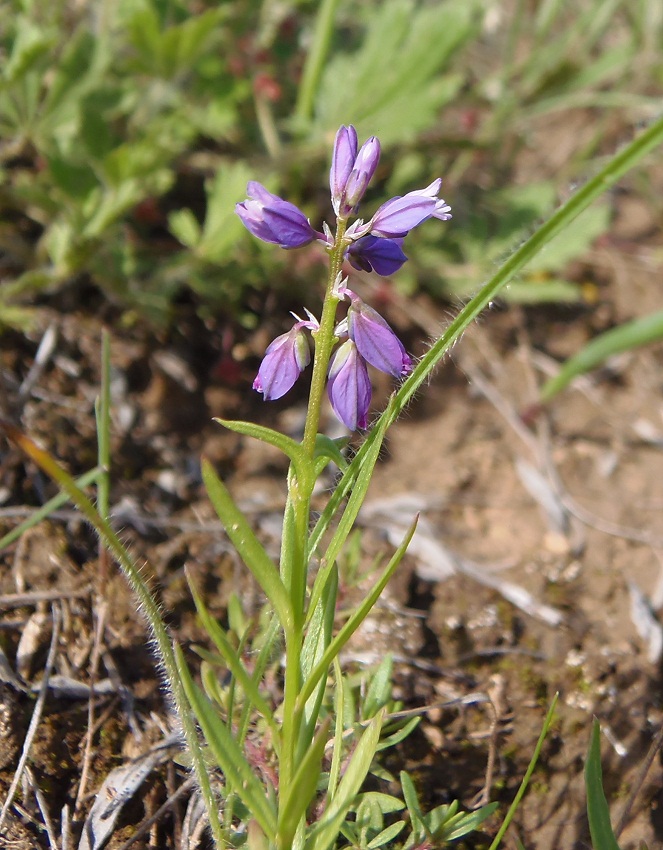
(284, 361)
(351, 171)
(371, 253)
(400, 214)
(375, 340)
(349, 387)
(274, 220)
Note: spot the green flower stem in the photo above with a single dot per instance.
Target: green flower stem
(296, 529)
(324, 342)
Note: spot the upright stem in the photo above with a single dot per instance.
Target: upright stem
(297, 526)
(324, 341)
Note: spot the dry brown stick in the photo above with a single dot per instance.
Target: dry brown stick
(639, 781)
(89, 735)
(36, 714)
(18, 600)
(43, 808)
(147, 824)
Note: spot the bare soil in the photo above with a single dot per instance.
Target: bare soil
(546, 524)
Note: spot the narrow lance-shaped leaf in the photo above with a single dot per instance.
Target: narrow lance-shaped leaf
(356, 619)
(247, 544)
(598, 813)
(237, 771)
(231, 658)
(324, 833)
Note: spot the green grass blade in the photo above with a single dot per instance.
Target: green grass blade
(633, 334)
(91, 477)
(513, 808)
(148, 605)
(315, 59)
(598, 812)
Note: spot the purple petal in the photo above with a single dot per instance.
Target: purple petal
(430, 191)
(360, 176)
(274, 220)
(289, 226)
(343, 160)
(399, 215)
(286, 357)
(376, 341)
(372, 253)
(349, 387)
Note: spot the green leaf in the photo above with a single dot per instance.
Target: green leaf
(392, 85)
(236, 770)
(467, 822)
(379, 689)
(356, 619)
(184, 226)
(328, 450)
(287, 445)
(31, 43)
(223, 228)
(248, 546)
(231, 658)
(324, 833)
(386, 835)
(625, 337)
(400, 735)
(598, 813)
(304, 784)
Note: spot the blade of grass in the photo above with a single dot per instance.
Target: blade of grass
(598, 813)
(50, 507)
(547, 723)
(633, 334)
(147, 603)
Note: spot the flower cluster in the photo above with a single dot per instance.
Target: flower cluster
(376, 245)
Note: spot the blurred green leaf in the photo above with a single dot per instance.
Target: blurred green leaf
(31, 43)
(391, 86)
(598, 813)
(626, 337)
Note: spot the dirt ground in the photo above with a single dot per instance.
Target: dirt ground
(537, 567)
